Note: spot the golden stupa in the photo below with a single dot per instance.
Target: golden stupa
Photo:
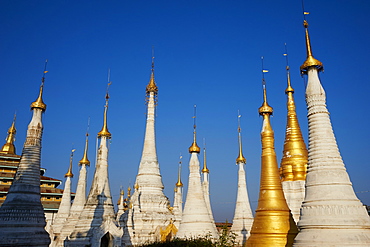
(295, 156)
(273, 224)
(8, 147)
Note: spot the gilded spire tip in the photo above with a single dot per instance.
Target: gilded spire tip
(69, 173)
(310, 60)
(104, 131)
(85, 160)
(152, 87)
(194, 148)
(265, 108)
(240, 158)
(179, 183)
(39, 102)
(289, 88)
(205, 168)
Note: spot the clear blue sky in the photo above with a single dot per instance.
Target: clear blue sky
(208, 54)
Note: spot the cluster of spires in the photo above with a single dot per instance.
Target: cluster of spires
(273, 224)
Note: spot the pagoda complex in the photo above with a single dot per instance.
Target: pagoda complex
(309, 202)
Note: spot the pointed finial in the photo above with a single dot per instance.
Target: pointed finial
(121, 199)
(240, 158)
(289, 88)
(104, 131)
(8, 147)
(265, 108)
(85, 160)
(152, 87)
(69, 173)
(39, 103)
(310, 60)
(179, 183)
(194, 147)
(205, 169)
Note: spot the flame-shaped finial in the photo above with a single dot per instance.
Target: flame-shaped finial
(39, 103)
(69, 173)
(194, 148)
(8, 147)
(240, 158)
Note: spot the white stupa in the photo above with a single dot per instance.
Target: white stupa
(65, 204)
(150, 208)
(205, 184)
(177, 201)
(196, 221)
(96, 225)
(331, 214)
(243, 216)
(78, 203)
(22, 218)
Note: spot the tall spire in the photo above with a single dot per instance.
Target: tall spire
(243, 217)
(273, 224)
(177, 201)
(331, 214)
(294, 161)
(8, 147)
(194, 148)
(79, 200)
(148, 199)
(98, 216)
(196, 218)
(205, 183)
(22, 214)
